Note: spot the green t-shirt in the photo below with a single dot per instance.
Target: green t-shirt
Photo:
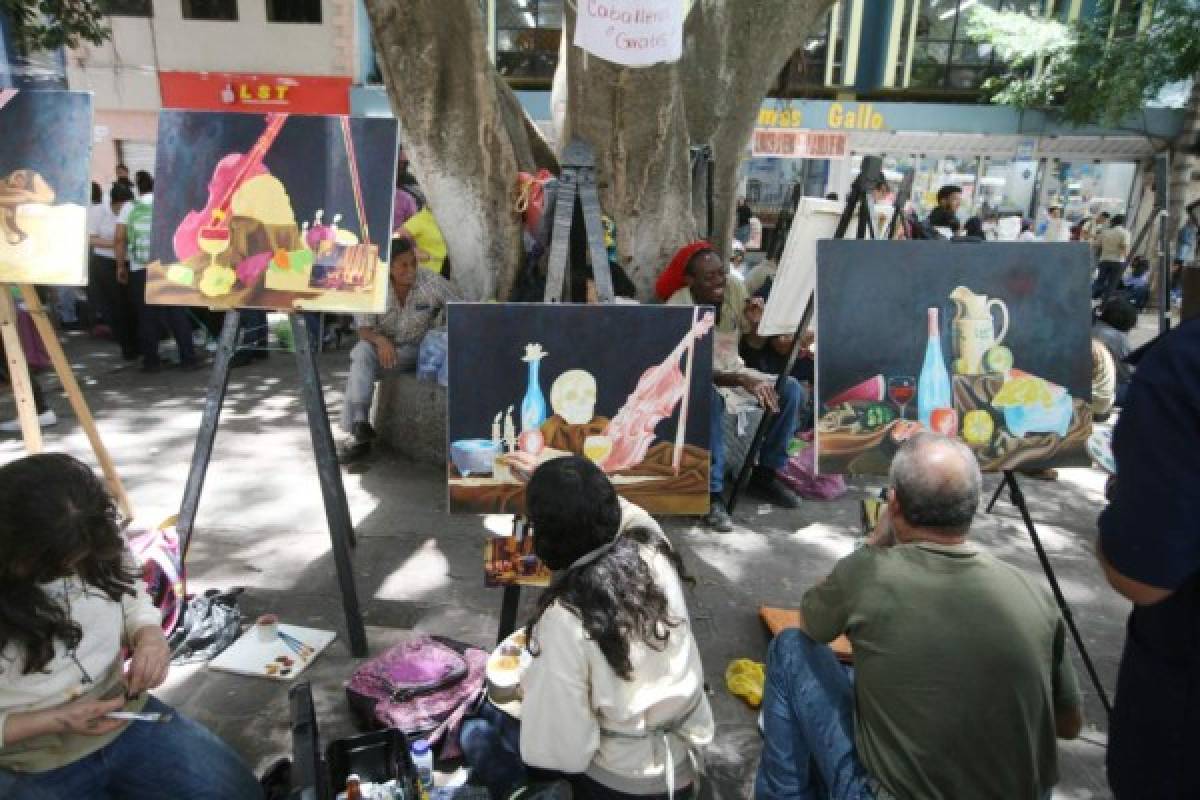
(138, 232)
(959, 663)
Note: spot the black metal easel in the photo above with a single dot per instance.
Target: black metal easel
(1018, 499)
(858, 202)
(575, 197)
(333, 493)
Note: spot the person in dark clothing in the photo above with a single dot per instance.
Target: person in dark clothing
(744, 213)
(1149, 547)
(949, 198)
(113, 295)
(973, 229)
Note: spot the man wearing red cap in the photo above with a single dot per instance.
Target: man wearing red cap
(707, 283)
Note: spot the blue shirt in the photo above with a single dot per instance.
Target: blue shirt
(1151, 533)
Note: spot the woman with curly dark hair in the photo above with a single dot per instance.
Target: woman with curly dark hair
(614, 695)
(70, 600)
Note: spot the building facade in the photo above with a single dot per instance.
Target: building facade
(295, 55)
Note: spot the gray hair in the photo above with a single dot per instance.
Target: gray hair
(942, 495)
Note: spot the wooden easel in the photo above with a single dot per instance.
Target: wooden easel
(575, 194)
(333, 493)
(22, 385)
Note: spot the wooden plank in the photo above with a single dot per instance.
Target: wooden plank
(75, 396)
(18, 373)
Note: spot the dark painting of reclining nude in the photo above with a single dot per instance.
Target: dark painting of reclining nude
(628, 387)
(44, 161)
(277, 211)
(988, 342)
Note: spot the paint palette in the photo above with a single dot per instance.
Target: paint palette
(280, 657)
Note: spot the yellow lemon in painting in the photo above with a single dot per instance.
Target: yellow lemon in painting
(998, 359)
(217, 281)
(960, 366)
(1024, 391)
(978, 428)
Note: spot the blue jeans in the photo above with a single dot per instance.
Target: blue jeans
(808, 726)
(775, 444)
(491, 745)
(149, 761)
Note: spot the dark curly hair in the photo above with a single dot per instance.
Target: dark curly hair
(574, 510)
(58, 520)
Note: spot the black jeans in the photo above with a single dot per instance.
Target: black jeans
(117, 303)
(1107, 279)
(153, 319)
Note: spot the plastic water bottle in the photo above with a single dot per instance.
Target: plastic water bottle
(422, 758)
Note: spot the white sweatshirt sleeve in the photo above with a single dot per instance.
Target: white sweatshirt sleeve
(559, 731)
(138, 611)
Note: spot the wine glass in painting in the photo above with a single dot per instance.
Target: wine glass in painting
(214, 241)
(597, 448)
(901, 389)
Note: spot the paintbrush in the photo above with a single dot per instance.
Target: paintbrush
(141, 716)
(300, 648)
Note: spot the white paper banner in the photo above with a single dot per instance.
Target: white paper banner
(634, 33)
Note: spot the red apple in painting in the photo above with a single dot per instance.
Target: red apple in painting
(944, 421)
(531, 442)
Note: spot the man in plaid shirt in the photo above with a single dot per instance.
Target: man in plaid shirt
(416, 304)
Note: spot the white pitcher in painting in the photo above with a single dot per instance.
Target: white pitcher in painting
(974, 329)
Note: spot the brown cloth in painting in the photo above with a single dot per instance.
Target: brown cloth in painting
(685, 493)
(846, 447)
(1032, 451)
(561, 435)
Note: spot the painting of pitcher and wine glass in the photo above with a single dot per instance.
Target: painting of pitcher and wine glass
(278, 211)
(988, 342)
(628, 387)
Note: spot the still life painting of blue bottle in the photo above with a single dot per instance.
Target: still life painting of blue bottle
(533, 406)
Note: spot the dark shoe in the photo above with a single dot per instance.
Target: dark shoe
(718, 518)
(363, 432)
(132, 355)
(766, 485)
(191, 366)
(354, 452)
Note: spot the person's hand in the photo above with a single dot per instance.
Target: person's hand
(763, 392)
(85, 717)
(754, 312)
(884, 534)
(122, 275)
(150, 662)
(386, 351)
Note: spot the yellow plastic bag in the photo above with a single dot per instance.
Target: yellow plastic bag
(745, 679)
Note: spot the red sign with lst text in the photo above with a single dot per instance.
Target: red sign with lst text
(232, 91)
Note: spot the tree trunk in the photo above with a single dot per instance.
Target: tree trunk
(467, 137)
(733, 52)
(463, 131)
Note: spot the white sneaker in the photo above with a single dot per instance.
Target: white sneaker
(45, 420)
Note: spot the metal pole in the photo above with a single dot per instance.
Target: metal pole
(337, 513)
(218, 382)
(1018, 499)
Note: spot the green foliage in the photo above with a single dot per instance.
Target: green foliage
(1097, 70)
(51, 24)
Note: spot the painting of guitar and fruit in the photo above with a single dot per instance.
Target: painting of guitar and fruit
(988, 342)
(272, 211)
(628, 387)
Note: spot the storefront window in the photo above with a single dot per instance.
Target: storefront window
(943, 56)
(527, 37)
(210, 9)
(294, 11)
(127, 8)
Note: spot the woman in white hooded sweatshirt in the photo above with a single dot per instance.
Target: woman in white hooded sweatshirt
(613, 699)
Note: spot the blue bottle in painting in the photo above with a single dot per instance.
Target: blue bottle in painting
(533, 407)
(933, 384)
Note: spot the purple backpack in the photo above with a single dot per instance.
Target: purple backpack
(423, 686)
